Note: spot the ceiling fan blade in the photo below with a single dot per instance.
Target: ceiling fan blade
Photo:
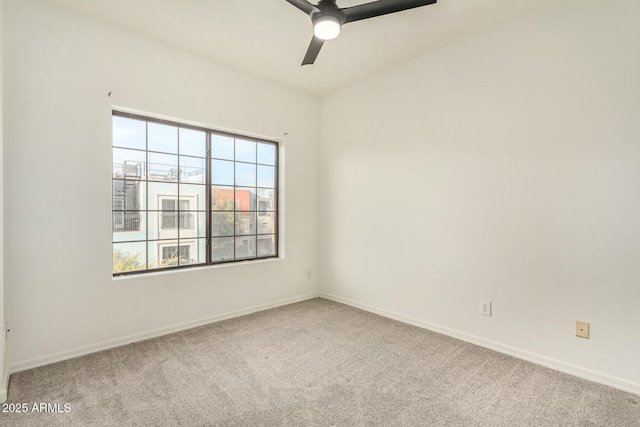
(303, 5)
(381, 7)
(313, 51)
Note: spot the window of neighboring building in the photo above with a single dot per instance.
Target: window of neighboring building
(172, 216)
(185, 196)
(172, 254)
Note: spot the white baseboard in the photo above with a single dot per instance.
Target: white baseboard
(105, 345)
(4, 391)
(547, 362)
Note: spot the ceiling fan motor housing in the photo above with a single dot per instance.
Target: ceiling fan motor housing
(328, 7)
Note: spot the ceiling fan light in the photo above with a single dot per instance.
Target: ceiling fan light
(327, 27)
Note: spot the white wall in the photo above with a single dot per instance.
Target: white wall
(59, 67)
(503, 167)
(3, 359)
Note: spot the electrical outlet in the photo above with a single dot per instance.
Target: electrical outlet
(485, 308)
(582, 329)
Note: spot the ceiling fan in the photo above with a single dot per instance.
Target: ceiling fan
(327, 18)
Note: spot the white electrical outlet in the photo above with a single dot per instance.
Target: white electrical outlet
(485, 307)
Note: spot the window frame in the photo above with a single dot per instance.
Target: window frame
(144, 214)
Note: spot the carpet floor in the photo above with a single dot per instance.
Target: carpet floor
(314, 363)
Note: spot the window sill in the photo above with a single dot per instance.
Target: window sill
(195, 269)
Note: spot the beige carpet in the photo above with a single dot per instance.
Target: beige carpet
(312, 363)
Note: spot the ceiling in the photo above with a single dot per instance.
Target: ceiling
(270, 37)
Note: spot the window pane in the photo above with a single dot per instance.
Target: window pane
(266, 200)
(129, 133)
(193, 197)
(128, 225)
(245, 223)
(222, 249)
(245, 151)
(245, 247)
(185, 253)
(191, 251)
(245, 175)
(201, 256)
(163, 253)
(193, 142)
(159, 191)
(221, 147)
(168, 221)
(166, 225)
(221, 198)
(163, 167)
(266, 246)
(163, 138)
(221, 172)
(192, 169)
(129, 257)
(193, 224)
(128, 195)
(266, 223)
(245, 199)
(155, 227)
(266, 154)
(266, 176)
(128, 163)
(222, 223)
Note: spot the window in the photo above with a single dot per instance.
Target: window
(171, 254)
(184, 196)
(243, 199)
(170, 216)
